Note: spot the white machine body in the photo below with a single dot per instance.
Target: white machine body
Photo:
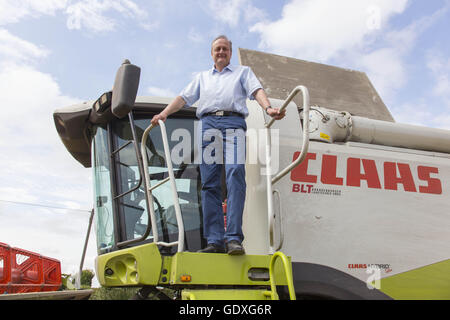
(368, 193)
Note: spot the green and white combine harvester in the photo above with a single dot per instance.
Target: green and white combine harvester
(312, 222)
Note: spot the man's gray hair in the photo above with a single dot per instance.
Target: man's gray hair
(222, 37)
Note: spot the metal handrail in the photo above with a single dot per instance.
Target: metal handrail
(272, 224)
(305, 145)
(270, 181)
(288, 272)
(149, 188)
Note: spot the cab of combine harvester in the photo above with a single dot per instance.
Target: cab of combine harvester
(122, 208)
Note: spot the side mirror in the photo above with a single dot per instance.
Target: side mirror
(125, 89)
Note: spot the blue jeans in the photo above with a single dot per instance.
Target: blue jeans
(223, 143)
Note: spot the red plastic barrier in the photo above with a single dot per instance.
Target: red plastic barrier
(52, 274)
(5, 265)
(26, 271)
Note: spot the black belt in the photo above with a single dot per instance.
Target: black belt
(223, 114)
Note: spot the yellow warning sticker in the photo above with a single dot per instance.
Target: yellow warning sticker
(324, 136)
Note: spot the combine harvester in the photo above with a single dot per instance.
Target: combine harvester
(341, 203)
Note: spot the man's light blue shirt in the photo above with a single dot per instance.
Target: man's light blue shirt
(227, 90)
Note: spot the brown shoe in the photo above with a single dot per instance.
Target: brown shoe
(234, 248)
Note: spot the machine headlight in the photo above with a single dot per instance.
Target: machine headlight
(103, 103)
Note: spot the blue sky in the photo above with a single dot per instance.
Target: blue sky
(54, 53)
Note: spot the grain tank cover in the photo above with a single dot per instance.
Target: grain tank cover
(330, 87)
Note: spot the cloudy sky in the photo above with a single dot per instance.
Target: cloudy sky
(55, 53)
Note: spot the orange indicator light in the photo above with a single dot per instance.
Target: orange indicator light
(186, 278)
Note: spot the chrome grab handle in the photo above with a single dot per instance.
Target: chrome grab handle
(305, 145)
(270, 181)
(149, 188)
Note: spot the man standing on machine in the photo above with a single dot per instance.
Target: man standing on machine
(221, 93)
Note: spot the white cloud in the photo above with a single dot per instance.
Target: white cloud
(34, 94)
(434, 106)
(161, 92)
(386, 66)
(91, 14)
(343, 33)
(321, 29)
(253, 14)
(34, 159)
(423, 112)
(16, 194)
(230, 12)
(15, 49)
(353, 33)
(195, 36)
(417, 113)
(12, 11)
(34, 165)
(439, 66)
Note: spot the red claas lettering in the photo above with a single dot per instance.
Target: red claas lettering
(394, 174)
